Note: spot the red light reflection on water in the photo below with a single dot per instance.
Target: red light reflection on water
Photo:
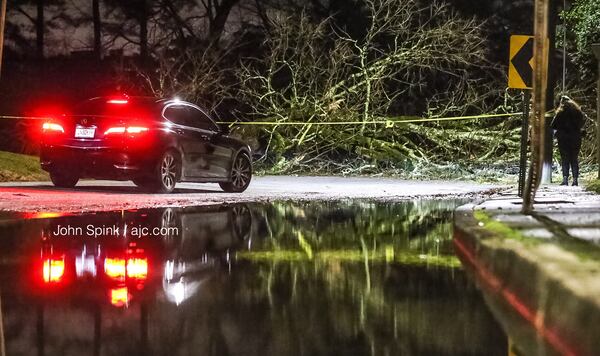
(119, 296)
(137, 268)
(528, 313)
(120, 268)
(115, 268)
(53, 269)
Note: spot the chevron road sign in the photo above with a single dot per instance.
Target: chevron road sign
(520, 66)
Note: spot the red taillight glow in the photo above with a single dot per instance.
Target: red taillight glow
(121, 130)
(53, 270)
(136, 129)
(118, 101)
(119, 268)
(115, 268)
(137, 268)
(114, 130)
(119, 296)
(42, 215)
(53, 127)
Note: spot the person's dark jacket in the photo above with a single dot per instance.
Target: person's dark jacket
(568, 124)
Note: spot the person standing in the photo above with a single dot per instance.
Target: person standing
(568, 124)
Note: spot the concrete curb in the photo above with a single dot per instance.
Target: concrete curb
(546, 298)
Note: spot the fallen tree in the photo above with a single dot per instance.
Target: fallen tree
(412, 59)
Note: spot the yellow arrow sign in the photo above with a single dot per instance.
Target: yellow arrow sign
(520, 64)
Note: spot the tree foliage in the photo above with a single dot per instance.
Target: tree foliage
(583, 23)
(411, 60)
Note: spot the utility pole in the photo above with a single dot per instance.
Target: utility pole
(540, 55)
(596, 50)
(2, 22)
(551, 83)
(564, 54)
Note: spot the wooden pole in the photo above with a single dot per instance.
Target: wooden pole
(551, 79)
(540, 76)
(2, 22)
(596, 50)
(564, 54)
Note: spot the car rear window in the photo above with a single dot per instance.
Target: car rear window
(132, 107)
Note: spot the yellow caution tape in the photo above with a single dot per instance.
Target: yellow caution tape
(23, 117)
(388, 123)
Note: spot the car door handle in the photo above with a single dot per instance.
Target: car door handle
(179, 131)
(204, 137)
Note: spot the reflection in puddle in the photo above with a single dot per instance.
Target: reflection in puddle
(358, 278)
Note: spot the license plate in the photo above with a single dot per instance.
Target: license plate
(85, 132)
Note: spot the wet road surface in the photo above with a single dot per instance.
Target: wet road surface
(302, 278)
(111, 195)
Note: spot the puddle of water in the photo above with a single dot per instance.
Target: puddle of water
(345, 278)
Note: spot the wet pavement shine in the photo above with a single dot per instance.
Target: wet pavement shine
(540, 272)
(311, 278)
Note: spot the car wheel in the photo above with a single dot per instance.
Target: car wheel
(63, 180)
(241, 221)
(240, 175)
(166, 173)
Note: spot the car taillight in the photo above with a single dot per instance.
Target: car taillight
(52, 127)
(122, 130)
(136, 129)
(114, 130)
(118, 101)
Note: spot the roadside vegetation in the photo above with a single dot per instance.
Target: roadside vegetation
(332, 98)
(380, 64)
(20, 168)
(593, 186)
(316, 87)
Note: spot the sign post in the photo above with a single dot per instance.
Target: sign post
(520, 76)
(524, 130)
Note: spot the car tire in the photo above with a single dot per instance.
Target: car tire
(240, 174)
(63, 180)
(241, 221)
(166, 173)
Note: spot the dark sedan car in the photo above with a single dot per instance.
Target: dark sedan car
(153, 142)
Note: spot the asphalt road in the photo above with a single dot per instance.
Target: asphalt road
(111, 195)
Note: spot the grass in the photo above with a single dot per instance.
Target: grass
(501, 229)
(593, 186)
(584, 250)
(21, 168)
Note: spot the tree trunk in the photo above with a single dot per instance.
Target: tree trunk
(97, 29)
(217, 23)
(39, 27)
(143, 20)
